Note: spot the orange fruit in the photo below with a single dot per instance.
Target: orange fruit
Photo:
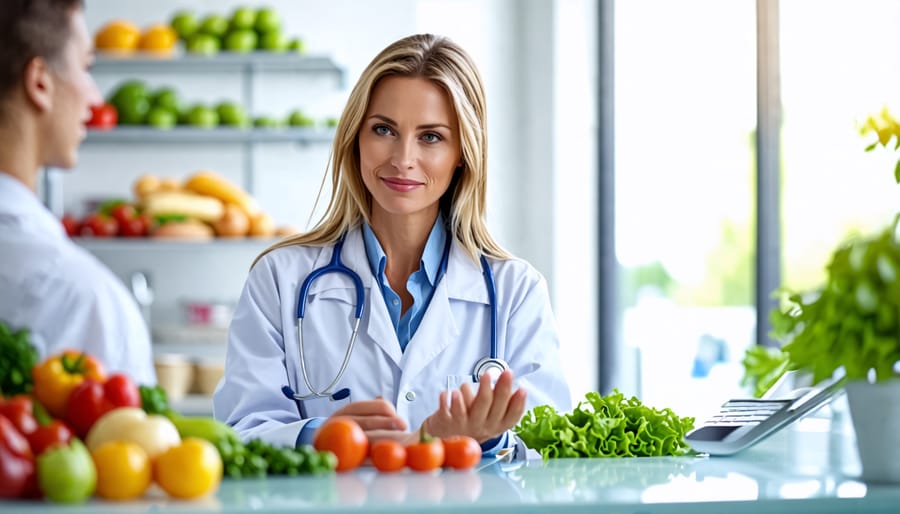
(117, 35)
(158, 38)
(189, 470)
(123, 470)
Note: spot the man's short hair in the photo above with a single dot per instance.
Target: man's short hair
(29, 29)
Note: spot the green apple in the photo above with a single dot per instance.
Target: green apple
(185, 24)
(132, 110)
(297, 45)
(267, 20)
(214, 24)
(162, 118)
(243, 18)
(242, 40)
(202, 116)
(298, 119)
(232, 114)
(266, 122)
(67, 474)
(203, 44)
(273, 41)
(165, 97)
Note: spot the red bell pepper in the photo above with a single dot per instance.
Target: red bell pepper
(17, 472)
(56, 433)
(91, 400)
(19, 410)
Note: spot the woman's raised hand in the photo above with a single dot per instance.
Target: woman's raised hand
(482, 415)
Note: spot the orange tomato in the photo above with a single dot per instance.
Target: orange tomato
(345, 439)
(461, 452)
(123, 470)
(426, 455)
(189, 470)
(117, 35)
(158, 38)
(388, 455)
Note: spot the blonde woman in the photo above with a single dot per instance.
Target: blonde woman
(411, 313)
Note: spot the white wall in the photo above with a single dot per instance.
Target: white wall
(538, 61)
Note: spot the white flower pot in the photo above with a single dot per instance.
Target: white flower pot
(875, 410)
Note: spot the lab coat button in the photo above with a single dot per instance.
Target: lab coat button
(396, 301)
(410, 396)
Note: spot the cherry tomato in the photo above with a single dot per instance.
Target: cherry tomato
(388, 455)
(345, 439)
(103, 117)
(99, 225)
(426, 455)
(71, 225)
(46, 436)
(461, 452)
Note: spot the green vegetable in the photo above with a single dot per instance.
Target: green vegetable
(257, 459)
(853, 321)
(154, 400)
(763, 366)
(605, 426)
(204, 427)
(17, 357)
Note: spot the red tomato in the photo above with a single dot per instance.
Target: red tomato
(121, 391)
(345, 439)
(98, 225)
(85, 406)
(388, 455)
(426, 455)
(123, 212)
(103, 117)
(139, 226)
(46, 436)
(461, 452)
(71, 225)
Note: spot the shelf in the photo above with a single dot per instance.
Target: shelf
(190, 135)
(223, 61)
(144, 244)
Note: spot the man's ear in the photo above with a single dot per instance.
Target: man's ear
(39, 84)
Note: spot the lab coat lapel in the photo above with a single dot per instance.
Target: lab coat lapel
(436, 332)
(376, 320)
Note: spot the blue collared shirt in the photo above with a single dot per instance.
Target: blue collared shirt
(420, 284)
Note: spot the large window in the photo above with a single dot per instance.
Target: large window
(838, 67)
(685, 116)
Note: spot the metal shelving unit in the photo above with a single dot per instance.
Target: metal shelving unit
(247, 65)
(188, 135)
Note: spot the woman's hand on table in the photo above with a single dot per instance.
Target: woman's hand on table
(376, 417)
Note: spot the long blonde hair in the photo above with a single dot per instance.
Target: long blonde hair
(443, 62)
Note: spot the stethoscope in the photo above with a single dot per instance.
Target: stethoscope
(491, 365)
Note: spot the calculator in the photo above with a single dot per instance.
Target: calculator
(741, 423)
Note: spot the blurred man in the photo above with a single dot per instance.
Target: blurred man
(61, 293)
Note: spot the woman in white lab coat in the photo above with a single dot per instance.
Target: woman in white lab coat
(408, 207)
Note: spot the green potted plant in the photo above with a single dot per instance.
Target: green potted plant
(852, 324)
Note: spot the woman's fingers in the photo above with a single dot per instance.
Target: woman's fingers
(500, 399)
(515, 409)
(379, 422)
(372, 415)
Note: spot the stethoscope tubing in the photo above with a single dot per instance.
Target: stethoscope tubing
(336, 265)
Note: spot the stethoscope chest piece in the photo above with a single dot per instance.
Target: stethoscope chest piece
(491, 366)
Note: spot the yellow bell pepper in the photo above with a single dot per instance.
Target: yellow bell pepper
(57, 376)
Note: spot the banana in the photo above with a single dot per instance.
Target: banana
(207, 428)
(204, 208)
(212, 184)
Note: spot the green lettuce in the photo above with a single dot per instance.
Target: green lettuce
(605, 426)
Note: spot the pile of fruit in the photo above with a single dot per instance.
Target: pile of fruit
(245, 30)
(205, 205)
(133, 102)
(69, 431)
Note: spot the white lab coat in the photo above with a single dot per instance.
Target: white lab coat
(454, 334)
